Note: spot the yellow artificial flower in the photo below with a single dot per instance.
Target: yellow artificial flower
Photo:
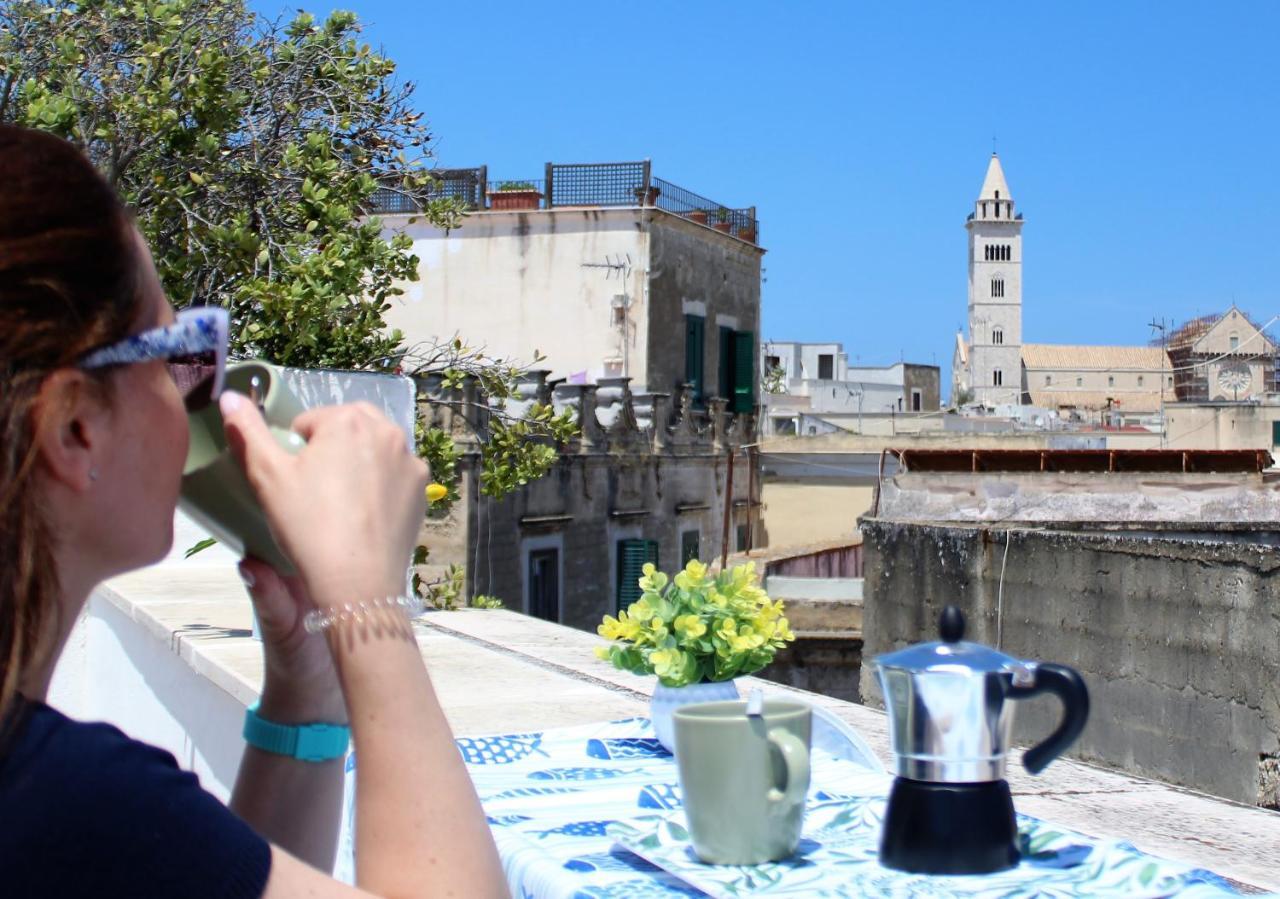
(621, 628)
(689, 627)
(653, 581)
(667, 663)
(602, 653)
(657, 629)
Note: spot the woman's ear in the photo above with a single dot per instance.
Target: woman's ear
(71, 421)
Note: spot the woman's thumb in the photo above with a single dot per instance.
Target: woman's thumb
(248, 437)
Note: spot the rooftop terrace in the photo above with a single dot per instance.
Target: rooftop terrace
(167, 653)
(576, 185)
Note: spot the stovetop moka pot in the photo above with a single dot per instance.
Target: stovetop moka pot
(950, 715)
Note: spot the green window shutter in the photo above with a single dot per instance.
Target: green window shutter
(632, 554)
(695, 335)
(1275, 433)
(688, 547)
(726, 363)
(744, 371)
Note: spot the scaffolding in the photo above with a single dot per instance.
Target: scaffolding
(1191, 369)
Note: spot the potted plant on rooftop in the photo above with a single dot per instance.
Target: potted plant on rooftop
(515, 195)
(699, 216)
(695, 633)
(723, 224)
(647, 196)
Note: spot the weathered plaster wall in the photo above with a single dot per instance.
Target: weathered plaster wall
(695, 269)
(1177, 636)
(796, 513)
(587, 490)
(926, 379)
(520, 282)
(1222, 425)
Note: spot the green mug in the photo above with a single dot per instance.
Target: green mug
(744, 779)
(215, 492)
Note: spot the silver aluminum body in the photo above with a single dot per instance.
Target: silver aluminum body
(950, 716)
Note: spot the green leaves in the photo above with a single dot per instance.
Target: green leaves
(248, 151)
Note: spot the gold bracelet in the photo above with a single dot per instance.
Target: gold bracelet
(317, 620)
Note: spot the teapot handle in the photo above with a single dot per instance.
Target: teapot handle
(1068, 686)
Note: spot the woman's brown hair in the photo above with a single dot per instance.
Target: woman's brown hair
(69, 281)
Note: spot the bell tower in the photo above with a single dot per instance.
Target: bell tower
(995, 294)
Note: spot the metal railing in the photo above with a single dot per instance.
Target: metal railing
(597, 184)
(581, 184)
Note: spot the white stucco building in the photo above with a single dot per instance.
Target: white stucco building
(988, 365)
(817, 391)
(593, 283)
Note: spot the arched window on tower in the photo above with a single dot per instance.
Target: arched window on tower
(987, 252)
(997, 287)
(997, 377)
(997, 335)
(997, 195)
(984, 210)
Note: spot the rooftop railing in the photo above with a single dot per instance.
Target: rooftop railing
(577, 185)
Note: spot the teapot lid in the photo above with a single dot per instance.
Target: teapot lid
(951, 654)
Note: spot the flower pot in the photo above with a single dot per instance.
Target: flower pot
(647, 197)
(667, 699)
(723, 227)
(699, 216)
(747, 234)
(514, 199)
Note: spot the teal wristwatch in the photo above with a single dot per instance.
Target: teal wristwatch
(305, 742)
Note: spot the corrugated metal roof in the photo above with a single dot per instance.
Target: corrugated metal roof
(1102, 358)
(1186, 461)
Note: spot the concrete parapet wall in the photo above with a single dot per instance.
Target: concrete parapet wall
(1177, 635)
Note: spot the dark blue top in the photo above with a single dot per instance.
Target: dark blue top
(86, 811)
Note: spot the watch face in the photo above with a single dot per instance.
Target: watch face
(1234, 377)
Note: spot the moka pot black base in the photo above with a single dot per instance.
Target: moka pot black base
(945, 828)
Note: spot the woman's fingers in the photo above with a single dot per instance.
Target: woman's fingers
(249, 438)
(276, 608)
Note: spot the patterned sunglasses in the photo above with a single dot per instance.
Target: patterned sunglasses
(194, 347)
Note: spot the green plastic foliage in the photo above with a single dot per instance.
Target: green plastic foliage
(248, 150)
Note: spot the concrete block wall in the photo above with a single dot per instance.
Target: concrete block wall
(1177, 636)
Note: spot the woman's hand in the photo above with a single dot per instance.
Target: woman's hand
(347, 507)
(301, 683)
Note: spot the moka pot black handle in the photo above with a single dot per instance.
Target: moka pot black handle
(1068, 686)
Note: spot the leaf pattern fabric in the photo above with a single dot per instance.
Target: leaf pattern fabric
(594, 812)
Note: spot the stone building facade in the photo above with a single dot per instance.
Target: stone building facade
(647, 480)
(599, 292)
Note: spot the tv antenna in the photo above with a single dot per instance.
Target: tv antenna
(619, 265)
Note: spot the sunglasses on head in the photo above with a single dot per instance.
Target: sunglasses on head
(194, 348)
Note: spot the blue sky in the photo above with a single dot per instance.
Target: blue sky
(1140, 140)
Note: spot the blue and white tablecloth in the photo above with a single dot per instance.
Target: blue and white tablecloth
(564, 803)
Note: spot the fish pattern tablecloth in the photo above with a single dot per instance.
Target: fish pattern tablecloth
(564, 803)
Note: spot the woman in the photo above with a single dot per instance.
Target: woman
(91, 457)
